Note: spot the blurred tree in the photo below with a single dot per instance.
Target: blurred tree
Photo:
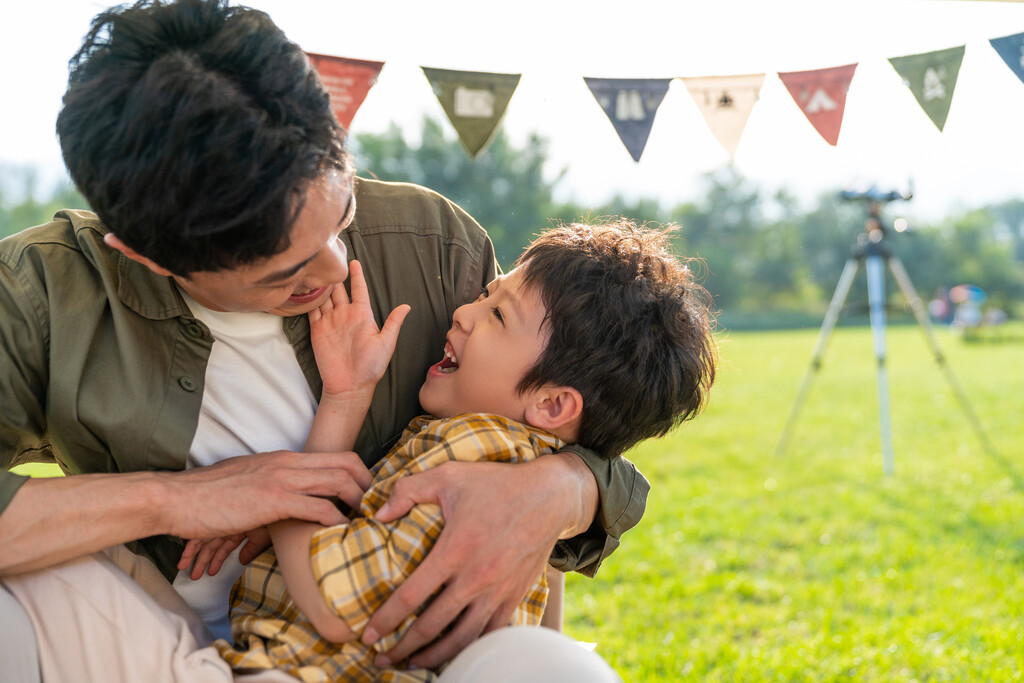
(27, 209)
(503, 188)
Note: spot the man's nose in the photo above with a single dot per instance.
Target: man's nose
(331, 265)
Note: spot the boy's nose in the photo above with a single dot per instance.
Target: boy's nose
(463, 316)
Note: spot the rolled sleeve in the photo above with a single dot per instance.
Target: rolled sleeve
(622, 492)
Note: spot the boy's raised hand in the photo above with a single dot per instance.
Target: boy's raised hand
(351, 352)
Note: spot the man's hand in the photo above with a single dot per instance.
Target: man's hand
(501, 523)
(252, 491)
(208, 554)
(206, 502)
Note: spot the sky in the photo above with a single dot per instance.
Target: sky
(886, 138)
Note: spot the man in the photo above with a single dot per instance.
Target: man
(136, 351)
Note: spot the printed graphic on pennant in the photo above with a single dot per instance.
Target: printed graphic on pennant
(347, 81)
(726, 103)
(630, 104)
(821, 96)
(931, 76)
(474, 102)
(1011, 49)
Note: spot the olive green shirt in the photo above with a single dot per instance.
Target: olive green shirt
(102, 363)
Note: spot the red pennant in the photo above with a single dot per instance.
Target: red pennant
(347, 81)
(821, 96)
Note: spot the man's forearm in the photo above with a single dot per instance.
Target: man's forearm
(52, 520)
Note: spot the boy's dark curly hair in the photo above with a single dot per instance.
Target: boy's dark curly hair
(629, 327)
(193, 129)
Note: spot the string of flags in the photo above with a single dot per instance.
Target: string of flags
(475, 101)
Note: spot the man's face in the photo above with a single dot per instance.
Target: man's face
(301, 277)
(490, 346)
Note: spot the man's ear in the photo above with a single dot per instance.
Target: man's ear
(553, 408)
(114, 242)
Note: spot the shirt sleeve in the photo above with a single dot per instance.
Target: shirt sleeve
(622, 491)
(23, 377)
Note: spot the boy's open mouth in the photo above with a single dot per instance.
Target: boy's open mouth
(449, 363)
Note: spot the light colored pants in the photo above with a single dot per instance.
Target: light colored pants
(113, 617)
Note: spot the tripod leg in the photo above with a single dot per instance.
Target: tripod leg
(907, 287)
(831, 317)
(876, 304)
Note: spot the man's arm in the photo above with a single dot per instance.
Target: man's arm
(52, 520)
(501, 523)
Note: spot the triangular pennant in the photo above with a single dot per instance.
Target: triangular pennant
(821, 96)
(630, 104)
(726, 103)
(347, 81)
(1011, 49)
(931, 76)
(474, 102)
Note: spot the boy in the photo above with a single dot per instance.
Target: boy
(598, 336)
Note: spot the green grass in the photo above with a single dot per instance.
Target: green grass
(813, 565)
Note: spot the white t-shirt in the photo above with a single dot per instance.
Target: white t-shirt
(255, 399)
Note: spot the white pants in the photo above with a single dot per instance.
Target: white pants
(113, 617)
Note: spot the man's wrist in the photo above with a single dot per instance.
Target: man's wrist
(578, 492)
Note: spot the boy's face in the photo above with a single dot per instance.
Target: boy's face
(490, 346)
(301, 277)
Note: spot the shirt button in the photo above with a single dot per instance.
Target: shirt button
(194, 330)
(187, 383)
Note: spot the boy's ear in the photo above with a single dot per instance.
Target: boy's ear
(553, 408)
(114, 242)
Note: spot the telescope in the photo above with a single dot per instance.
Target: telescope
(876, 195)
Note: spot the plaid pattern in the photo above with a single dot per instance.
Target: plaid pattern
(358, 565)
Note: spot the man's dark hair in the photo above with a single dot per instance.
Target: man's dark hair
(194, 129)
(629, 328)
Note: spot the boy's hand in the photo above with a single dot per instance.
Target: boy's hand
(208, 554)
(351, 352)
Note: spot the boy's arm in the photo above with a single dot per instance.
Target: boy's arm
(291, 543)
(352, 355)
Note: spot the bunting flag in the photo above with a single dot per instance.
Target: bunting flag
(726, 103)
(1011, 49)
(931, 76)
(630, 104)
(347, 82)
(821, 96)
(474, 102)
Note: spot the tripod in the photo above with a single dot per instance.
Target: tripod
(872, 251)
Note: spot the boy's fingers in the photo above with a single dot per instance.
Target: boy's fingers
(394, 323)
(357, 283)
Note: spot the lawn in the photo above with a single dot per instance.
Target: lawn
(813, 565)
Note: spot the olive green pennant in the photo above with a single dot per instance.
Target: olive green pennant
(931, 76)
(474, 102)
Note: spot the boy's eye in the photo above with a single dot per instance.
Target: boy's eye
(497, 314)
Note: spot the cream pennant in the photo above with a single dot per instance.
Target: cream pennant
(726, 103)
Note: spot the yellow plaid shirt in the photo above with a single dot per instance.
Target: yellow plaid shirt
(358, 565)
